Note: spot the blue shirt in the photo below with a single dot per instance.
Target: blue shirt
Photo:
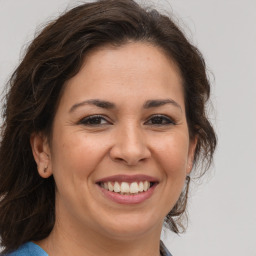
(28, 249)
(32, 249)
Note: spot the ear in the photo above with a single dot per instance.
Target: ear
(41, 152)
(191, 154)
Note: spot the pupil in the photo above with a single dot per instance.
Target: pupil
(157, 120)
(95, 120)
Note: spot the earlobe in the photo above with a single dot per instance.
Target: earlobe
(41, 153)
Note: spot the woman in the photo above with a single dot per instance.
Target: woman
(103, 123)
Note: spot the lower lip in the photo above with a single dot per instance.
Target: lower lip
(128, 199)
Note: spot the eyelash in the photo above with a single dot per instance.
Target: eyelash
(92, 119)
(95, 120)
(167, 120)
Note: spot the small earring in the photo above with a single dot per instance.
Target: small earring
(45, 169)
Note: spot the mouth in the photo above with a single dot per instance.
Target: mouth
(126, 189)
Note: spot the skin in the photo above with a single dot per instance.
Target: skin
(127, 139)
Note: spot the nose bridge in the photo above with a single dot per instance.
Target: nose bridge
(130, 144)
(132, 139)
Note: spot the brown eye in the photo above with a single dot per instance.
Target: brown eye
(160, 120)
(95, 120)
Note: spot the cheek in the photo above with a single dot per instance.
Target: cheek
(77, 155)
(172, 154)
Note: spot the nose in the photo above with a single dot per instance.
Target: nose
(130, 146)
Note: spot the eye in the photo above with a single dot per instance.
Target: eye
(94, 120)
(160, 120)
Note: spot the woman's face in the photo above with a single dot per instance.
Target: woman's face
(120, 125)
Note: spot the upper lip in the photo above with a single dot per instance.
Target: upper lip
(127, 178)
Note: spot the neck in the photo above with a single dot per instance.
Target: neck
(79, 236)
(66, 242)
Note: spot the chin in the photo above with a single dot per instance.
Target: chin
(131, 226)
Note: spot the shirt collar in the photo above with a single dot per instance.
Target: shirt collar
(163, 250)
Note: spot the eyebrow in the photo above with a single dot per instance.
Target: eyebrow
(96, 102)
(158, 103)
(109, 105)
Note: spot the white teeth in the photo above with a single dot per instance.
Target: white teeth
(125, 188)
(110, 186)
(134, 188)
(141, 187)
(146, 185)
(117, 187)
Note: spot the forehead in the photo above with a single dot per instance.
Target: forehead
(131, 56)
(131, 70)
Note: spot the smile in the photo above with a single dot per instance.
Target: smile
(125, 188)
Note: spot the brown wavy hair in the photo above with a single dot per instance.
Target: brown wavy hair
(27, 201)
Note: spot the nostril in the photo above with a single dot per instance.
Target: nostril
(129, 153)
(119, 159)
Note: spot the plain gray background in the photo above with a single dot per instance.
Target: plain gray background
(222, 211)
